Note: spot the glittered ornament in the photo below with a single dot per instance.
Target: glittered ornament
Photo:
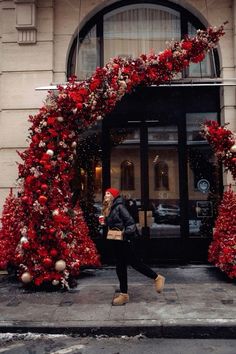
(60, 265)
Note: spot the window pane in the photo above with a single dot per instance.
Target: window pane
(127, 175)
(161, 176)
(87, 58)
(163, 217)
(202, 69)
(194, 125)
(125, 160)
(136, 29)
(163, 135)
(203, 176)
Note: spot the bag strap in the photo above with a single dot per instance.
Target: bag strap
(115, 229)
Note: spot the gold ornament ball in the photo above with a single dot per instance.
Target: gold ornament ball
(50, 152)
(233, 149)
(55, 282)
(60, 265)
(23, 239)
(55, 212)
(26, 277)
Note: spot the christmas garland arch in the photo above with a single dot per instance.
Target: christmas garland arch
(222, 250)
(43, 238)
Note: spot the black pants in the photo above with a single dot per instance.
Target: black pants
(125, 254)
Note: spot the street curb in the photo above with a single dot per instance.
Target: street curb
(153, 331)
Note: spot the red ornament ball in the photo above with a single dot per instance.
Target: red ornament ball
(52, 230)
(25, 199)
(47, 262)
(25, 245)
(42, 199)
(44, 187)
(53, 252)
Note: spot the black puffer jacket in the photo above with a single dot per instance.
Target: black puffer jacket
(120, 218)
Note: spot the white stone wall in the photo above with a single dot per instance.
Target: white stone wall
(23, 68)
(50, 31)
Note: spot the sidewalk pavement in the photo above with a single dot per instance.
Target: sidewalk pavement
(197, 302)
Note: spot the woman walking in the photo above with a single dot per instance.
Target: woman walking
(117, 217)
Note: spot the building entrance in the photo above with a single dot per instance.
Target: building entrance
(153, 152)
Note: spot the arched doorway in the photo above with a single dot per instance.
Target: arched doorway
(156, 124)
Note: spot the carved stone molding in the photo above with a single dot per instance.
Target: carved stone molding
(26, 21)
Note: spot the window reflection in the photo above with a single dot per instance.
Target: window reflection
(98, 178)
(194, 122)
(87, 58)
(161, 176)
(127, 175)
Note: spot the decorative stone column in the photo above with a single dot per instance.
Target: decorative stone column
(26, 21)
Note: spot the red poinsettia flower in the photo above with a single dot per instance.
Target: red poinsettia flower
(94, 84)
(165, 55)
(51, 120)
(187, 45)
(169, 65)
(198, 58)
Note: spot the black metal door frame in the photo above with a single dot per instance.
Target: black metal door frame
(144, 172)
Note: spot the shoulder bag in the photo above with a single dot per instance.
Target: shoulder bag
(115, 234)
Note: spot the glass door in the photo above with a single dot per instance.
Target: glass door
(144, 166)
(125, 166)
(163, 216)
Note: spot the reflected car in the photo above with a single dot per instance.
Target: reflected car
(167, 213)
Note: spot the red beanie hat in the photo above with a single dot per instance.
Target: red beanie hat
(114, 192)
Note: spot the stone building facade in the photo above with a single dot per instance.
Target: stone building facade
(36, 40)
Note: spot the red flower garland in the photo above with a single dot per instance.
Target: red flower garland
(222, 250)
(222, 141)
(52, 241)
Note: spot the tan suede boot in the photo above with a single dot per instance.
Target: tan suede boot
(120, 300)
(159, 283)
